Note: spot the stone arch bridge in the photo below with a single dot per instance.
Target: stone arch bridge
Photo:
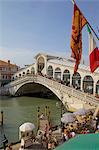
(71, 98)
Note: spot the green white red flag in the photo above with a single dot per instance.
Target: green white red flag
(93, 52)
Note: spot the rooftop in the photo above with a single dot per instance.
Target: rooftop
(4, 63)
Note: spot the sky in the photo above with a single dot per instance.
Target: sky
(29, 27)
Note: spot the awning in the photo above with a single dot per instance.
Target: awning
(81, 142)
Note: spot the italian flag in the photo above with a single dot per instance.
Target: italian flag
(93, 52)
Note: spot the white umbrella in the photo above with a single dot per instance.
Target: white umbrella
(68, 117)
(81, 111)
(68, 114)
(27, 127)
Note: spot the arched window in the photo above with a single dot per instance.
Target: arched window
(32, 70)
(28, 71)
(97, 88)
(58, 74)
(40, 64)
(23, 73)
(50, 71)
(88, 84)
(76, 80)
(66, 77)
(20, 75)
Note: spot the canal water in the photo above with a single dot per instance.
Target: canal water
(18, 110)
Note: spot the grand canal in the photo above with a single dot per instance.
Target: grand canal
(18, 110)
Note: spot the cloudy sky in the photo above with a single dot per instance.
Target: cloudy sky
(28, 27)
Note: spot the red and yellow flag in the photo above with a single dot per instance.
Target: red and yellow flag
(76, 38)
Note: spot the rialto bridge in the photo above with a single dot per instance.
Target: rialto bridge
(56, 74)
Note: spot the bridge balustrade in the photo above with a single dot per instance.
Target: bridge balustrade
(71, 91)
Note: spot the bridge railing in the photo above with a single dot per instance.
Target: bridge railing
(71, 91)
(22, 79)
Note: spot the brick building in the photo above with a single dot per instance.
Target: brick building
(6, 71)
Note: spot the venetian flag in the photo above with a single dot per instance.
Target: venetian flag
(93, 52)
(78, 23)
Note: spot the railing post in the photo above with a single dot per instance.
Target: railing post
(71, 80)
(94, 88)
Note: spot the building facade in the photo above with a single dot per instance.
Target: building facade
(6, 71)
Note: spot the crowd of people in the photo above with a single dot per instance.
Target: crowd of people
(84, 124)
(54, 136)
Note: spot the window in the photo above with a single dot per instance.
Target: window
(88, 84)
(58, 74)
(50, 71)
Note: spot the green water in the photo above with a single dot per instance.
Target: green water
(18, 110)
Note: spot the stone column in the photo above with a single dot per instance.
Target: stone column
(53, 73)
(71, 79)
(45, 67)
(35, 66)
(62, 75)
(94, 88)
(81, 87)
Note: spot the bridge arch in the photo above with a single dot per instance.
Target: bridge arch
(55, 92)
(88, 84)
(68, 95)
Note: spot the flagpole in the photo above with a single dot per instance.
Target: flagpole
(93, 31)
(73, 1)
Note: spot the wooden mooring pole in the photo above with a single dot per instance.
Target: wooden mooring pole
(1, 118)
(38, 117)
